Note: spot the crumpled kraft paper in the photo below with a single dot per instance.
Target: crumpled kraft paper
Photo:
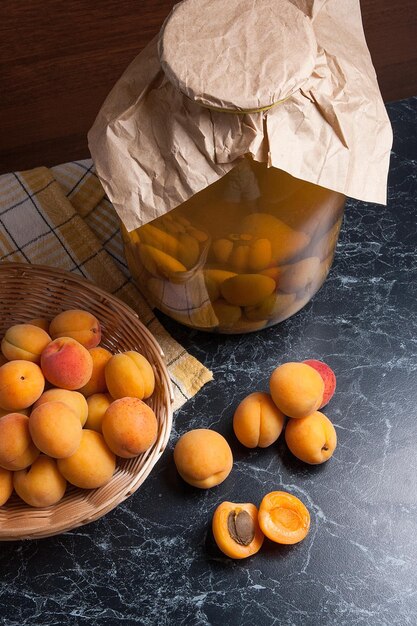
(155, 147)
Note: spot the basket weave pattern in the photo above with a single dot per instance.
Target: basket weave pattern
(31, 291)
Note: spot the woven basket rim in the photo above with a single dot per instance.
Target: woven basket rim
(25, 522)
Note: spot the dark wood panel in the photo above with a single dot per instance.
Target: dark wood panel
(58, 61)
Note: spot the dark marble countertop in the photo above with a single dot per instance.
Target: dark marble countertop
(153, 560)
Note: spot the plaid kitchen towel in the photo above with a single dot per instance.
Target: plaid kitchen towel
(61, 217)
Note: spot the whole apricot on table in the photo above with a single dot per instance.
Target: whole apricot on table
(283, 518)
(236, 529)
(129, 427)
(203, 458)
(3, 359)
(296, 388)
(97, 405)
(81, 325)
(73, 399)
(311, 439)
(17, 449)
(21, 384)
(258, 421)
(129, 375)
(66, 363)
(25, 342)
(6, 485)
(329, 379)
(41, 484)
(55, 429)
(92, 465)
(97, 382)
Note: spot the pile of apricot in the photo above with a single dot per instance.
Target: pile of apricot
(297, 391)
(204, 459)
(68, 407)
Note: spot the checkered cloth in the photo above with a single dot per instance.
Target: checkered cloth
(61, 217)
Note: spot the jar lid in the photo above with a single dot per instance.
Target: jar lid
(237, 55)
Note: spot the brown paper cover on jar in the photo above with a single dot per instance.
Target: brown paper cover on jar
(296, 73)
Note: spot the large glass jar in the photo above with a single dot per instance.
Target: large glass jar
(247, 252)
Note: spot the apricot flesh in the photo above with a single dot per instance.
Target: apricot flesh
(93, 463)
(17, 449)
(203, 458)
(42, 484)
(21, 384)
(81, 325)
(329, 379)
(296, 388)
(25, 342)
(55, 429)
(258, 421)
(236, 529)
(66, 363)
(311, 439)
(283, 518)
(6, 485)
(129, 427)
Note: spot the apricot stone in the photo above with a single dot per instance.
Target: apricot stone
(97, 404)
(92, 465)
(296, 388)
(258, 421)
(17, 450)
(329, 379)
(66, 363)
(129, 427)
(97, 382)
(42, 484)
(203, 458)
(73, 399)
(81, 325)
(21, 384)
(129, 374)
(25, 342)
(6, 485)
(55, 429)
(311, 439)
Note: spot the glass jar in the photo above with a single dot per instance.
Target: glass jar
(245, 253)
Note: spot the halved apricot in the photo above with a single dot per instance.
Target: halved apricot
(283, 518)
(236, 529)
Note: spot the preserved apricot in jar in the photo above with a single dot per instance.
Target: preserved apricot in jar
(258, 239)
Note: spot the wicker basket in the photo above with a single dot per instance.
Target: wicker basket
(31, 291)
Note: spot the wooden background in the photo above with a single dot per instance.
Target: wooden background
(59, 59)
